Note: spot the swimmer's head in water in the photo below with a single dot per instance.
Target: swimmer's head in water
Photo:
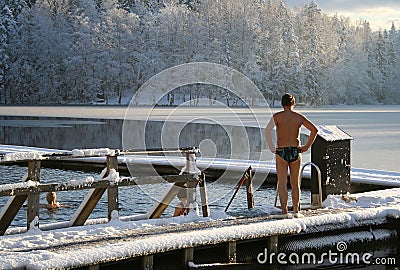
(51, 197)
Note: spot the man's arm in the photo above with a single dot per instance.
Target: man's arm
(268, 136)
(313, 134)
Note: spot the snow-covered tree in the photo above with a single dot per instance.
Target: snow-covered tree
(76, 51)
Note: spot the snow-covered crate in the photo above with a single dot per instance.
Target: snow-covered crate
(331, 153)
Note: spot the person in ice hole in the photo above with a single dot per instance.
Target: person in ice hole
(51, 198)
(181, 209)
(288, 150)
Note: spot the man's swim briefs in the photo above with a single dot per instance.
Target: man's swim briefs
(290, 154)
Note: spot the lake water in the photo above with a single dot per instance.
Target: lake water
(375, 129)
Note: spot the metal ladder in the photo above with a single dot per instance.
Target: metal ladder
(319, 204)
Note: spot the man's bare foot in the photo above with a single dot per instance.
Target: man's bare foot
(298, 215)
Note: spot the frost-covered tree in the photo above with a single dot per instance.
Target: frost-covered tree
(7, 28)
(392, 74)
(286, 64)
(77, 51)
(310, 52)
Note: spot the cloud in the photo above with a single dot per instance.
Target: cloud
(357, 5)
(380, 13)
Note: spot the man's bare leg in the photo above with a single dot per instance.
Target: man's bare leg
(282, 171)
(295, 183)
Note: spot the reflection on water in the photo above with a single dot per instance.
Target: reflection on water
(133, 200)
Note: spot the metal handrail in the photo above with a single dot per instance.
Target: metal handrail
(319, 180)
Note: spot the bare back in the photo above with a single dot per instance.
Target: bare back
(288, 124)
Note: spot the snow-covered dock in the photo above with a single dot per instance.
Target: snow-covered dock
(192, 241)
(197, 242)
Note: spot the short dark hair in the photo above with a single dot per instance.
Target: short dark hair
(288, 100)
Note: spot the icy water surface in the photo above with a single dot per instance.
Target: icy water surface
(375, 128)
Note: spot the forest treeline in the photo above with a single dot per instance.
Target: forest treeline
(77, 51)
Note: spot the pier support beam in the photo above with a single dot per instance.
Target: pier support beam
(272, 244)
(249, 189)
(112, 192)
(231, 251)
(34, 198)
(94, 196)
(32, 209)
(147, 262)
(161, 205)
(188, 255)
(10, 210)
(203, 196)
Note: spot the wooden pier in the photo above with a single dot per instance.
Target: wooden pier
(211, 244)
(30, 189)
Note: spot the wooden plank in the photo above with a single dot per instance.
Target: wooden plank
(112, 195)
(203, 196)
(188, 255)
(147, 262)
(32, 209)
(249, 189)
(231, 251)
(42, 188)
(160, 206)
(14, 204)
(94, 196)
(10, 210)
(85, 209)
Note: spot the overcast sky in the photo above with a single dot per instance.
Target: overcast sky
(379, 13)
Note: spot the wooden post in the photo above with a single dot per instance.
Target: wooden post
(203, 196)
(191, 168)
(272, 244)
(112, 191)
(33, 170)
(33, 198)
(112, 196)
(147, 262)
(231, 251)
(32, 210)
(188, 255)
(191, 196)
(249, 189)
(112, 163)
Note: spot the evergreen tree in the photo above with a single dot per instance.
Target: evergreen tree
(7, 27)
(311, 52)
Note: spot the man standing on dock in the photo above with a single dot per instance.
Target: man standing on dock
(288, 150)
